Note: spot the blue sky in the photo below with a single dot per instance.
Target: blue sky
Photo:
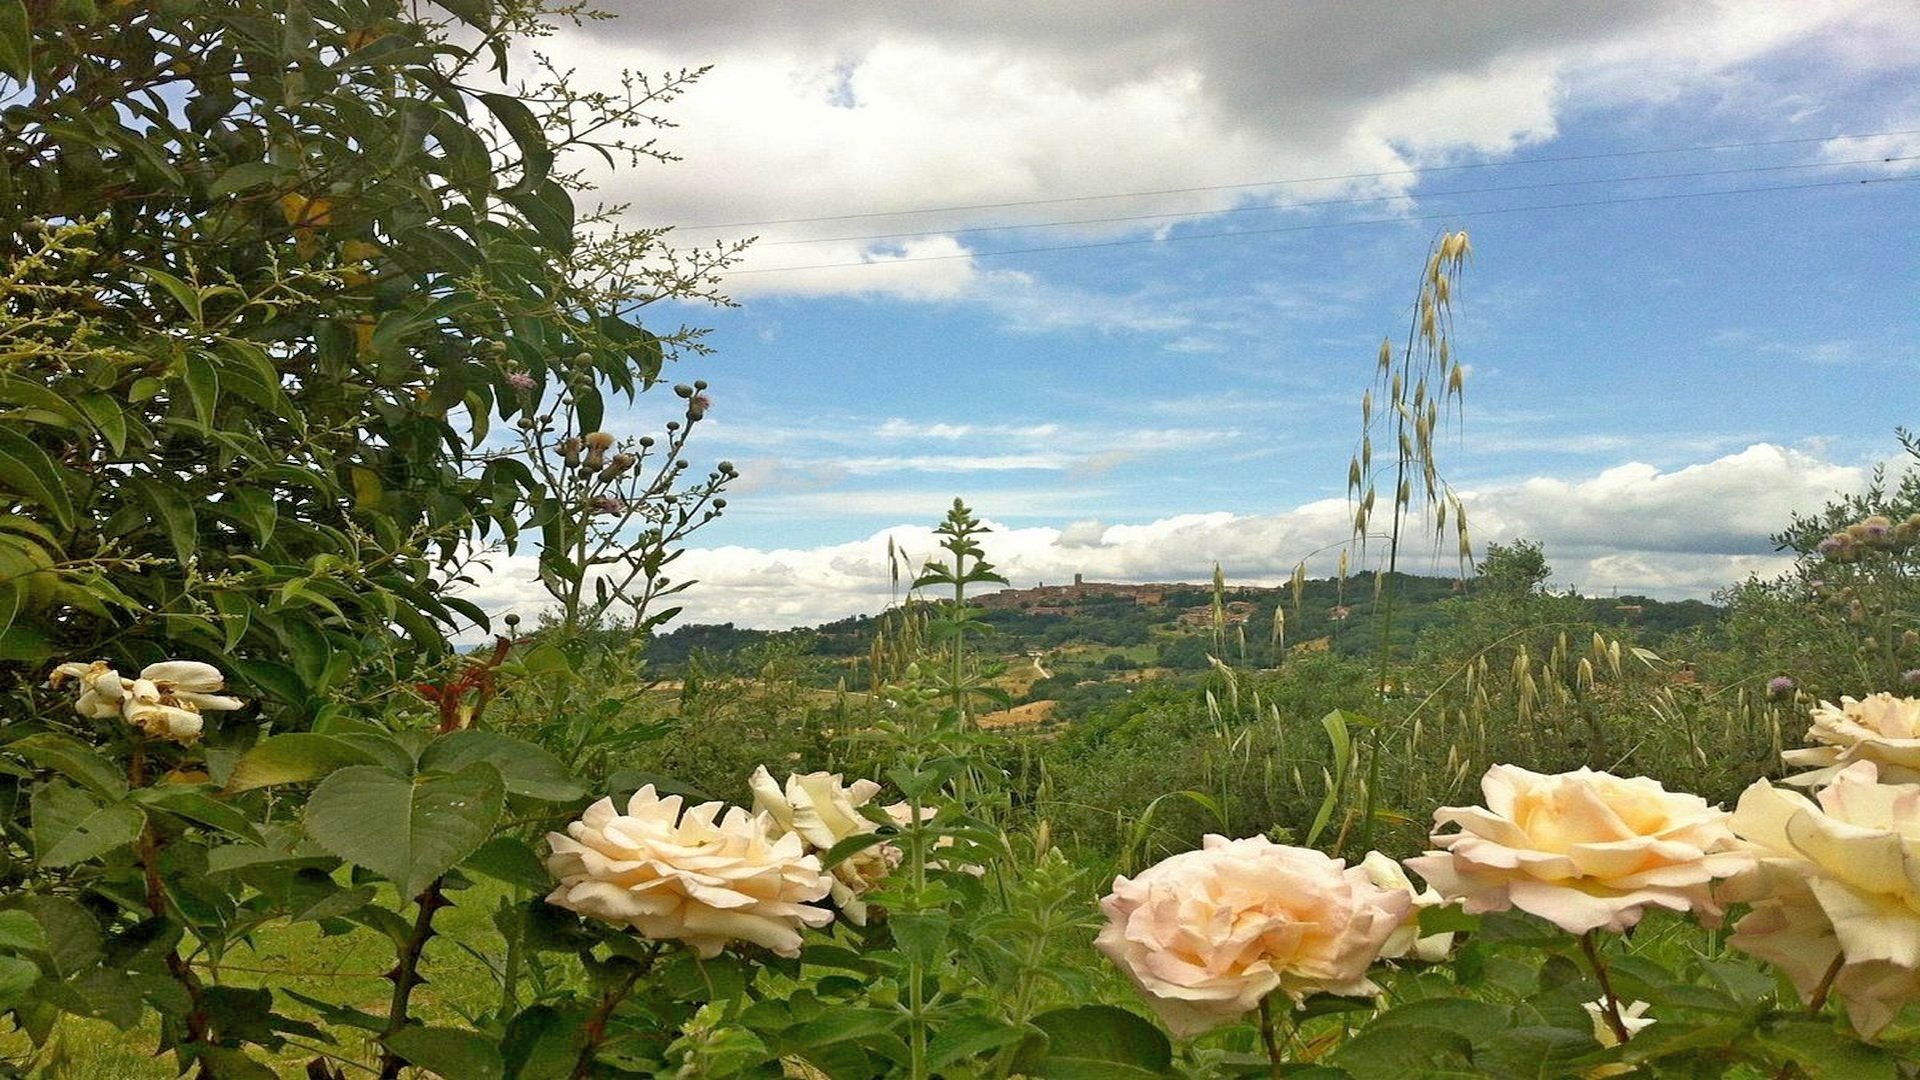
(1653, 385)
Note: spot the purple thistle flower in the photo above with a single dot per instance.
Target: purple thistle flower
(1781, 684)
(1910, 677)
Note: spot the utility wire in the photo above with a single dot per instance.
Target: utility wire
(1333, 225)
(1355, 201)
(1418, 171)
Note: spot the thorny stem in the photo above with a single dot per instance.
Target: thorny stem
(596, 1025)
(1267, 1037)
(406, 974)
(1611, 1001)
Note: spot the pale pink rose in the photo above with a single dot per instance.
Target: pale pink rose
(823, 811)
(697, 877)
(1880, 728)
(1583, 850)
(1207, 934)
(1406, 939)
(1836, 880)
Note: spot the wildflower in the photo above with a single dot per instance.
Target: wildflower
(1781, 684)
(522, 381)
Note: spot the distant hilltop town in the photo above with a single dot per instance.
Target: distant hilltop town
(1044, 599)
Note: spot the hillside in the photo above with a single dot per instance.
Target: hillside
(1116, 627)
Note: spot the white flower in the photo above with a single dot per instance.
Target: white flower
(698, 877)
(165, 701)
(822, 811)
(1632, 1017)
(1406, 940)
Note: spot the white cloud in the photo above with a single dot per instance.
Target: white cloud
(1683, 532)
(838, 108)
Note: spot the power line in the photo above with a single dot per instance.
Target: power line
(1334, 225)
(1418, 171)
(1354, 201)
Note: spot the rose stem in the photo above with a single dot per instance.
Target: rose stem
(1819, 999)
(1266, 1033)
(1612, 1011)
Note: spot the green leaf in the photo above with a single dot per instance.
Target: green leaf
(969, 1036)
(1406, 1050)
(17, 976)
(199, 807)
(73, 758)
(183, 294)
(16, 40)
(173, 515)
(449, 1052)
(1100, 1040)
(526, 769)
(69, 827)
(293, 758)
(1823, 1051)
(512, 860)
(27, 470)
(536, 157)
(841, 1025)
(245, 175)
(20, 933)
(407, 831)
(203, 387)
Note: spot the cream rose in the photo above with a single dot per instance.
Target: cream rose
(1207, 934)
(1405, 939)
(1584, 850)
(822, 811)
(698, 877)
(1880, 728)
(1838, 881)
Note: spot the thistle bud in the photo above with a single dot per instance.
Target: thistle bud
(697, 406)
(617, 467)
(683, 390)
(570, 450)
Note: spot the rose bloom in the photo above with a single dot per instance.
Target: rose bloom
(1880, 728)
(697, 877)
(1406, 939)
(1583, 850)
(822, 811)
(1837, 880)
(1207, 934)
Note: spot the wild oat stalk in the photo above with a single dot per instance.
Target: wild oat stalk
(1420, 384)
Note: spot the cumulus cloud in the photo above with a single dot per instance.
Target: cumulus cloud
(991, 109)
(1676, 533)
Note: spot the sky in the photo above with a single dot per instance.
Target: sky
(1116, 273)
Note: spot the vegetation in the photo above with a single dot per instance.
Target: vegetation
(273, 273)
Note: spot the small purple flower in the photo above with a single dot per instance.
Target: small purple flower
(607, 504)
(522, 381)
(1781, 684)
(697, 406)
(1910, 677)
(1835, 544)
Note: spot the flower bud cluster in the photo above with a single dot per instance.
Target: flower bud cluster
(1875, 533)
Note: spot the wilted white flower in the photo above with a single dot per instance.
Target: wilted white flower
(699, 877)
(165, 701)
